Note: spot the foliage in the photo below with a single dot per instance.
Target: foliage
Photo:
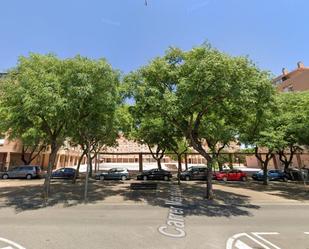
(292, 122)
(204, 93)
(56, 97)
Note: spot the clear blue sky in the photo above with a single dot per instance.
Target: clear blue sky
(274, 33)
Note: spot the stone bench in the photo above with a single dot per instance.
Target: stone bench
(143, 185)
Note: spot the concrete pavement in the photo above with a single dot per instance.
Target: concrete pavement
(240, 218)
(136, 226)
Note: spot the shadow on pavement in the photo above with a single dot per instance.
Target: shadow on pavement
(29, 197)
(287, 190)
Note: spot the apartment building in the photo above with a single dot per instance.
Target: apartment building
(296, 80)
(11, 152)
(127, 151)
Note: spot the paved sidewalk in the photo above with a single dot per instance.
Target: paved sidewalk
(25, 195)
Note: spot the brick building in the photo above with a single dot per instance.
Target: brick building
(11, 151)
(127, 151)
(296, 80)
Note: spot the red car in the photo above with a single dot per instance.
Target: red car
(232, 175)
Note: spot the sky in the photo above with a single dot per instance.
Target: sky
(273, 33)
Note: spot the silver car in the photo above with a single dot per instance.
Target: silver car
(114, 174)
(26, 171)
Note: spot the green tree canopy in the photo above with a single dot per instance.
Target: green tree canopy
(203, 92)
(51, 96)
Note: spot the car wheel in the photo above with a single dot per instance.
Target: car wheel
(187, 178)
(102, 178)
(5, 176)
(166, 178)
(224, 179)
(244, 178)
(145, 178)
(123, 178)
(28, 177)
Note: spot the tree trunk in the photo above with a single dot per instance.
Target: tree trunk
(96, 163)
(209, 194)
(78, 166)
(159, 163)
(87, 175)
(51, 162)
(157, 155)
(265, 178)
(209, 190)
(286, 166)
(220, 166)
(264, 163)
(179, 168)
(90, 168)
(23, 156)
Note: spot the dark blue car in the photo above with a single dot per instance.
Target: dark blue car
(64, 173)
(272, 175)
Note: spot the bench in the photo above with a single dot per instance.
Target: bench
(143, 185)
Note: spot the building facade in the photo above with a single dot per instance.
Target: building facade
(11, 152)
(296, 80)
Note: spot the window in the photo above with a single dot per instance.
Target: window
(288, 88)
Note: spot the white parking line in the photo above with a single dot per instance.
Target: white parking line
(235, 241)
(306, 233)
(10, 244)
(241, 245)
(268, 242)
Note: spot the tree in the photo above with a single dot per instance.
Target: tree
(33, 143)
(259, 131)
(179, 146)
(205, 93)
(92, 125)
(266, 140)
(152, 132)
(46, 93)
(292, 120)
(34, 94)
(280, 128)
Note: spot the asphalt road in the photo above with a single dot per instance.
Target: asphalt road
(120, 226)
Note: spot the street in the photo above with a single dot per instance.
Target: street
(136, 226)
(269, 224)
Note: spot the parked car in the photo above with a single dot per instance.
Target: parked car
(296, 174)
(64, 173)
(155, 174)
(231, 175)
(194, 173)
(26, 171)
(114, 174)
(272, 175)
